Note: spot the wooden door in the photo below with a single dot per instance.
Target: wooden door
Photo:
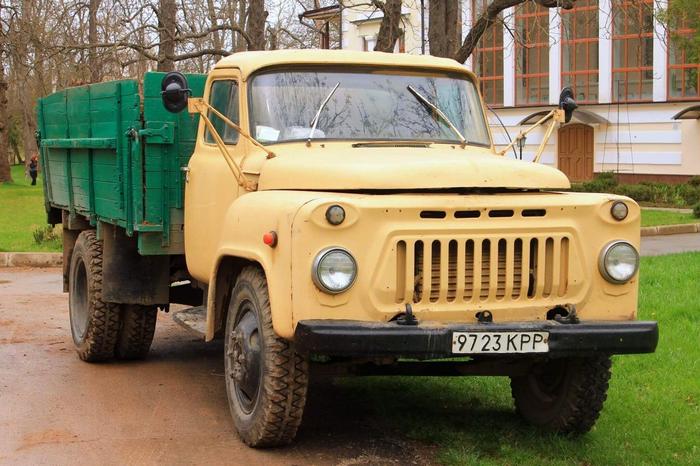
(575, 151)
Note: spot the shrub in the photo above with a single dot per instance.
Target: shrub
(603, 182)
(45, 234)
(694, 181)
(696, 210)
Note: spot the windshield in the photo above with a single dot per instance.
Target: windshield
(366, 105)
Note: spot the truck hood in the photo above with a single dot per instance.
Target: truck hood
(337, 168)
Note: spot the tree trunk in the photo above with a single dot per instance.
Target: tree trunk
(92, 40)
(390, 29)
(167, 30)
(5, 174)
(215, 36)
(256, 24)
(241, 43)
(445, 27)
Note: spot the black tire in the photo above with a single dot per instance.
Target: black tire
(138, 324)
(563, 395)
(266, 380)
(94, 323)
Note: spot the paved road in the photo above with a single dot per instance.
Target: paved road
(169, 409)
(668, 244)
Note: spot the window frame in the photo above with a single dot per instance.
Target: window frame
(682, 30)
(638, 4)
(494, 51)
(207, 134)
(529, 17)
(573, 41)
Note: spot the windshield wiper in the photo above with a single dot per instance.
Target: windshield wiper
(438, 112)
(314, 122)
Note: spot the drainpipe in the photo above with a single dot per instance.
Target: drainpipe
(422, 27)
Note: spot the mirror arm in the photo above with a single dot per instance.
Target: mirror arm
(243, 181)
(198, 105)
(557, 116)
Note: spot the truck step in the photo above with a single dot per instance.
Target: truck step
(193, 319)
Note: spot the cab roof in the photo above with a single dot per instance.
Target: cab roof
(249, 62)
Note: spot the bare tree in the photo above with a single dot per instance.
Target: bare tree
(92, 39)
(390, 29)
(445, 27)
(5, 173)
(167, 28)
(255, 27)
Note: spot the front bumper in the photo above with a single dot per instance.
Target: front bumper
(429, 340)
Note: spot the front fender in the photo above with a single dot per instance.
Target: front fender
(246, 221)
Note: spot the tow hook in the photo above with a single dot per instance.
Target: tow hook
(407, 318)
(484, 317)
(565, 314)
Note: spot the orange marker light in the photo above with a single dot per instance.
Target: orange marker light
(270, 238)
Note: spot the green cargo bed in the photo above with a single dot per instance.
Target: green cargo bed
(111, 156)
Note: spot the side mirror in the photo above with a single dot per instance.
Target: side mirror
(174, 91)
(567, 103)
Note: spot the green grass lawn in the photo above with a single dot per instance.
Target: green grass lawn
(651, 416)
(652, 218)
(22, 212)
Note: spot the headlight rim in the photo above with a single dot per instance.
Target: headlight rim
(604, 253)
(315, 267)
(612, 209)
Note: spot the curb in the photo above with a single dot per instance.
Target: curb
(31, 259)
(671, 229)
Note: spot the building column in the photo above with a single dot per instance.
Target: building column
(660, 54)
(508, 58)
(605, 51)
(554, 55)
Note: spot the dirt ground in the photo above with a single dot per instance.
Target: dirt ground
(169, 409)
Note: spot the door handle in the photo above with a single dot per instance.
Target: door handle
(186, 171)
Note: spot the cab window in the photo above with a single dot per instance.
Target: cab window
(224, 98)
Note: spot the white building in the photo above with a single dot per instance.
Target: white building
(629, 78)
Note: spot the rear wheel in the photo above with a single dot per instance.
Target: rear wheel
(94, 323)
(138, 324)
(266, 380)
(564, 395)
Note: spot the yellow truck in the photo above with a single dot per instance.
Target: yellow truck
(340, 212)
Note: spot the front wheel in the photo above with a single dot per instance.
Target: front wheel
(564, 395)
(266, 380)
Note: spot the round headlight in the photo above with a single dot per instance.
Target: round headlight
(334, 270)
(335, 215)
(619, 262)
(619, 210)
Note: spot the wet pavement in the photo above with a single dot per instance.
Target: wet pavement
(168, 409)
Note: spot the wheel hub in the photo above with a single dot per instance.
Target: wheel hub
(245, 359)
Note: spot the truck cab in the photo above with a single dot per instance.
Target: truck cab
(348, 213)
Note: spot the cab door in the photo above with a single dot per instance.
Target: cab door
(210, 187)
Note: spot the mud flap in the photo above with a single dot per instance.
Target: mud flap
(130, 277)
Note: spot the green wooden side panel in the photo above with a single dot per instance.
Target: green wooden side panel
(169, 140)
(113, 159)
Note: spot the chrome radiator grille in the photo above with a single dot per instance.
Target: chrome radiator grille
(478, 269)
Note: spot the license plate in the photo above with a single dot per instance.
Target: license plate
(500, 342)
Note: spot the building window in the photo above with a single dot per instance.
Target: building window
(633, 50)
(579, 50)
(532, 54)
(488, 57)
(369, 42)
(683, 65)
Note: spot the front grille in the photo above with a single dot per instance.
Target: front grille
(481, 269)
